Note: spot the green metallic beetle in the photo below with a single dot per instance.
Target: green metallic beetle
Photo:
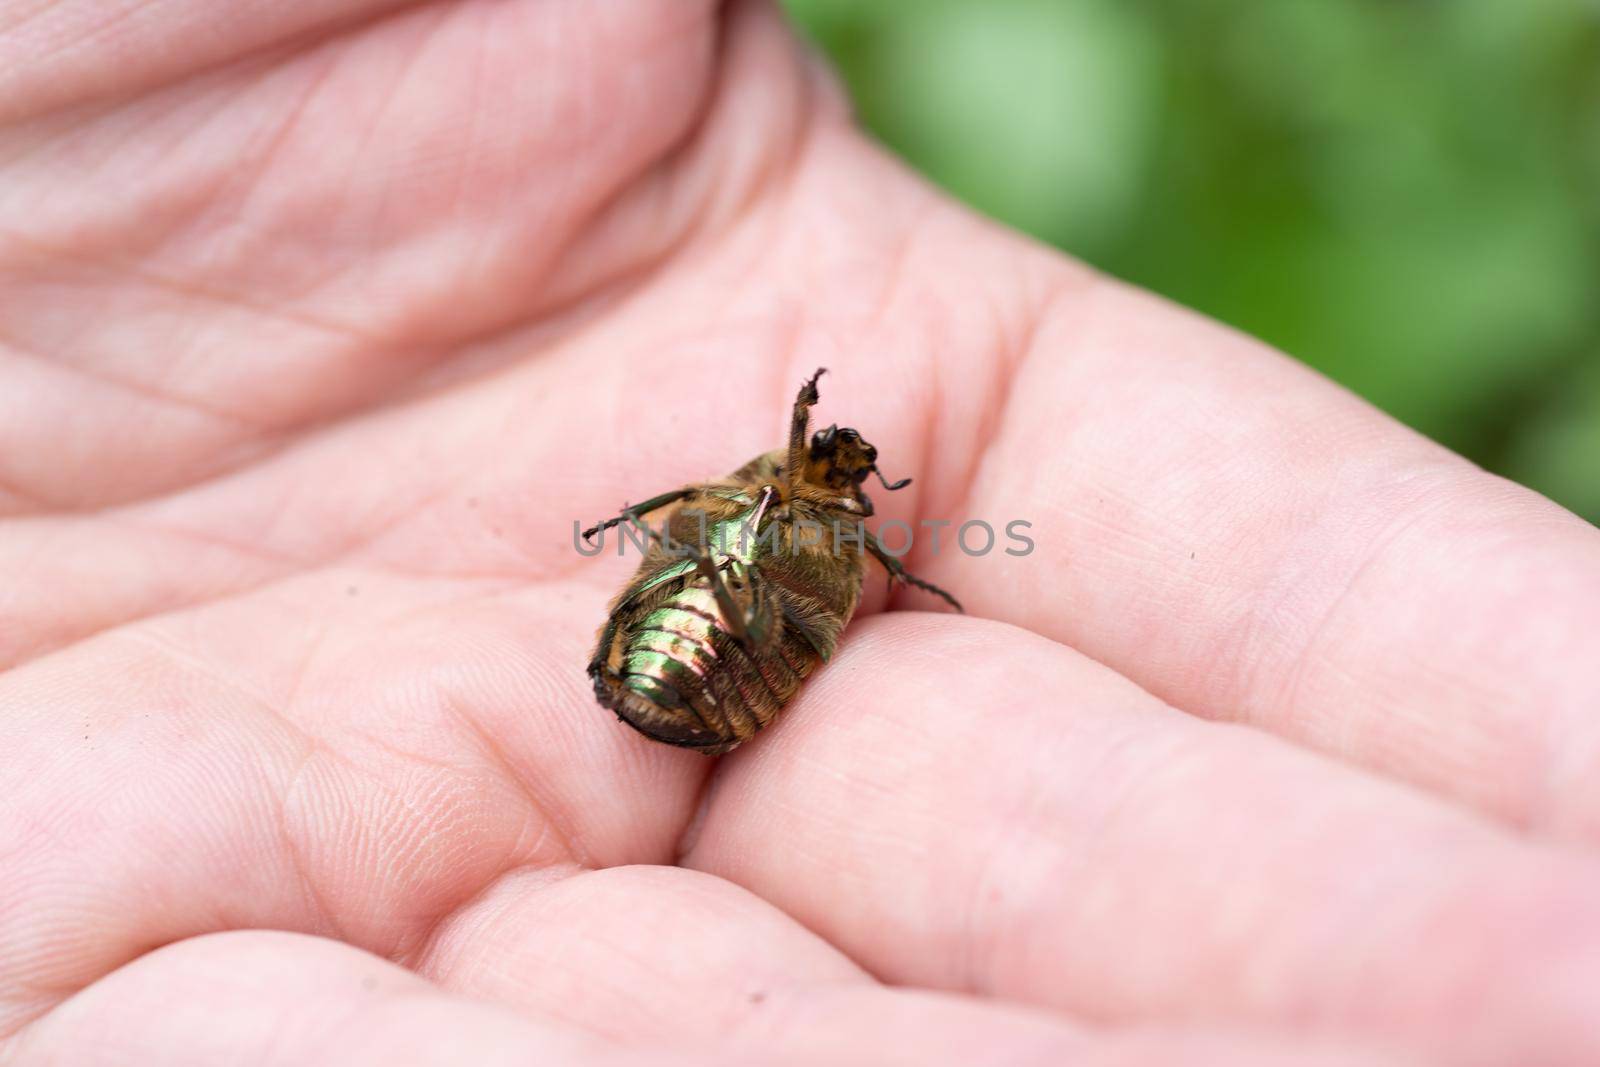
(749, 590)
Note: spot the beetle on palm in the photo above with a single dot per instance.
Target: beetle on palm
(748, 591)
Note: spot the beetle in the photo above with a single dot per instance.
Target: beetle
(746, 592)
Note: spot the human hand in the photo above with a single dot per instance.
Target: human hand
(321, 326)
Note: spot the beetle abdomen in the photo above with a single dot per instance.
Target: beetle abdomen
(681, 677)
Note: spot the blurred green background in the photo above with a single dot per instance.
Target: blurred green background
(1403, 193)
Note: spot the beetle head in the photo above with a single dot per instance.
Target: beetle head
(842, 458)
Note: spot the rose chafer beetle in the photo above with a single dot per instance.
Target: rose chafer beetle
(747, 591)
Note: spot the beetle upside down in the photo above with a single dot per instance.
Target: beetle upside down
(704, 648)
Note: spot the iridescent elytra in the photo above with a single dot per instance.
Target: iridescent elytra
(748, 591)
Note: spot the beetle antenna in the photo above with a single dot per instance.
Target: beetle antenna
(891, 486)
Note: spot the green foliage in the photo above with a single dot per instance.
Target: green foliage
(1404, 195)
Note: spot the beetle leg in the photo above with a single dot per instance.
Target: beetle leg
(732, 615)
(768, 492)
(648, 506)
(799, 423)
(824, 498)
(898, 573)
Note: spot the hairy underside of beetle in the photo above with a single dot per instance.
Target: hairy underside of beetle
(674, 667)
(746, 592)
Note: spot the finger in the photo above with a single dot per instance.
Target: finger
(319, 757)
(1251, 543)
(299, 208)
(683, 955)
(276, 998)
(958, 804)
(59, 55)
(1220, 524)
(692, 962)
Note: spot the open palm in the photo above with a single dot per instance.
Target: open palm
(320, 326)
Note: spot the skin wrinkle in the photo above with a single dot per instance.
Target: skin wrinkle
(899, 263)
(972, 965)
(263, 446)
(345, 1012)
(153, 640)
(338, 557)
(27, 502)
(422, 996)
(39, 999)
(523, 926)
(40, 7)
(978, 967)
(683, 842)
(538, 820)
(104, 27)
(1009, 355)
(1435, 494)
(234, 188)
(641, 959)
(659, 181)
(680, 158)
(140, 390)
(319, 637)
(1286, 693)
(138, 271)
(131, 627)
(401, 76)
(1013, 356)
(340, 25)
(475, 97)
(167, 529)
(784, 168)
(425, 961)
(707, 220)
(919, 491)
(539, 799)
(899, 266)
(784, 162)
(299, 845)
(294, 845)
(39, 135)
(638, 181)
(1009, 367)
(97, 628)
(776, 183)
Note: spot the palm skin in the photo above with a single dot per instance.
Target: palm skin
(322, 324)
